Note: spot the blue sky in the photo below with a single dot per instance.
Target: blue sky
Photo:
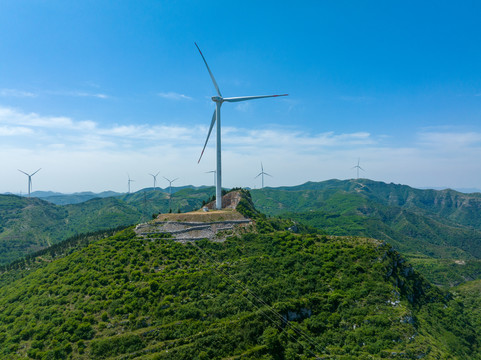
(93, 90)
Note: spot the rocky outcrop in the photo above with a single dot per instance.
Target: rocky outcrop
(191, 231)
(215, 225)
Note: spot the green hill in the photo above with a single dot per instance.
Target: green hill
(428, 226)
(464, 209)
(262, 295)
(31, 224)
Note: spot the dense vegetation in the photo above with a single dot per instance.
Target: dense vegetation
(30, 224)
(264, 295)
(469, 294)
(458, 207)
(438, 230)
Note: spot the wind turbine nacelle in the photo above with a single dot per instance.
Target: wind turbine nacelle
(216, 98)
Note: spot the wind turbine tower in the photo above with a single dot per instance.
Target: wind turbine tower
(170, 192)
(155, 178)
(29, 179)
(358, 167)
(128, 182)
(262, 173)
(219, 100)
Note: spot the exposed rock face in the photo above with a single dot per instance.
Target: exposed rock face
(191, 231)
(215, 225)
(229, 201)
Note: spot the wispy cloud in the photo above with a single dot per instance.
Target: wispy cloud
(76, 93)
(295, 139)
(18, 118)
(58, 129)
(450, 139)
(243, 106)
(173, 96)
(97, 95)
(15, 131)
(94, 151)
(16, 93)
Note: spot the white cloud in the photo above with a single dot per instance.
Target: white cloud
(78, 94)
(173, 96)
(85, 155)
(14, 117)
(243, 106)
(16, 93)
(15, 131)
(98, 95)
(450, 139)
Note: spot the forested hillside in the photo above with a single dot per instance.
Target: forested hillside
(31, 224)
(428, 226)
(263, 295)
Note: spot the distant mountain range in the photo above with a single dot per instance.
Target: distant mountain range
(76, 198)
(440, 230)
(31, 224)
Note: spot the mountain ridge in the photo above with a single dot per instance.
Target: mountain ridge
(264, 294)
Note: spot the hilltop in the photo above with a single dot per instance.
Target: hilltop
(206, 223)
(263, 293)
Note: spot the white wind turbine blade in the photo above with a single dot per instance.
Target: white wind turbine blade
(210, 72)
(175, 179)
(268, 174)
(243, 98)
(258, 175)
(36, 172)
(208, 135)
(23, 172)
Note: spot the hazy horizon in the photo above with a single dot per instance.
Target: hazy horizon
(134, 190)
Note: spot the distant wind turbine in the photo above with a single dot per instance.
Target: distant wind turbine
(358, 167)
(216, 117)
(212, 171)
(262, 173)
(29, 179)
(170, 192)
(155, 178)
(129, 181)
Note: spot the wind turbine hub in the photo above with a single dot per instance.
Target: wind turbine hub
(217, 99)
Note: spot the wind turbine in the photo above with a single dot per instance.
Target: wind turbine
(218, 99)
(262, 173)
(212, 171)
(129, 181)
(155, 178)
(170, 192)
(29, 179)
(358, 167)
